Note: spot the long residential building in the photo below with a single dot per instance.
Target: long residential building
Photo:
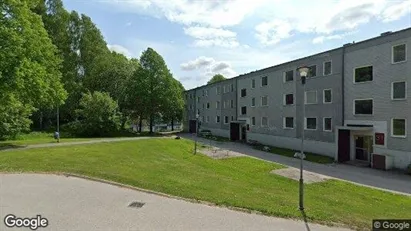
(356, 103)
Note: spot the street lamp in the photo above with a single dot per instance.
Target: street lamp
(303, 70)
(195, 143)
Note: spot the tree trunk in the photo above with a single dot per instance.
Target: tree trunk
(140, 125)
(172, 124)
(151, 123)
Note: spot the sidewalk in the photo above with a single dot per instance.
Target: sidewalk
(387, 181)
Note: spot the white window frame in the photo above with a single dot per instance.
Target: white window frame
(232, 118)
(231, 103)
(355, 68)
(198, 99)
(252, 121)
(331, 67)
(285, 99)
(241, 110)
(207, 119)
(262, 81)
(305, 97)
(224, 90)
(392, 53)
(264, 126)
(217, 117)
(252, 80)
(241, 92)
(331, 96)
(225, 120)
(316, 71)
(284, 77)
(216, 104)
(392, 90)
(208, 105)
(232, 87)
(252, 102)
(262, 105)
(363, 100)
(285, 124)
(392, 128)
(206, 92)
(324, 124)
(316, 123)
(224, 104)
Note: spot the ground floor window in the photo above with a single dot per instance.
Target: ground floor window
(399, 128)
(289, 122)
(217, 119)
(310, 123)
(226, 119)
(264, 121)
(253, 121)
(327, 124)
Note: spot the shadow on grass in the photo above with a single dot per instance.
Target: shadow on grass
(5, 146)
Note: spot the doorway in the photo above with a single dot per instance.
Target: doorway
(234, 131)
(343, 145)
(363, 148)
(192, 126)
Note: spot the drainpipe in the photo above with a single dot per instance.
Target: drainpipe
(236, 98)
(342, 84)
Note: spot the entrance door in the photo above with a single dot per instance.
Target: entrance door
(363, 147)
(234, 131)
(192, 126)
(343, 145)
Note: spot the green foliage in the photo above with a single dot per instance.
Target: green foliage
(29, 67)
(216, 78)
(98, 115)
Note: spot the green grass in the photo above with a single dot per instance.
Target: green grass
(168, 166)
(290, 153)
(36, 138)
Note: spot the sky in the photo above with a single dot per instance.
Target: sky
(201, 38)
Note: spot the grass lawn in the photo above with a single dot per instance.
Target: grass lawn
(168, 166)
(290, 153)
(36, 138)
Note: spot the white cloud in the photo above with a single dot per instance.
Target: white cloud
(270, 33)
(397, 11)
(198, 63)
(120, 49)
(322, 39)
(208, 36)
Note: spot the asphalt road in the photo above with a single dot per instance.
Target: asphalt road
(70, 203)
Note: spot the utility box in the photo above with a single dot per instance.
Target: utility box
(382, 161)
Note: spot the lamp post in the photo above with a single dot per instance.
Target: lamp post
(195, 143)
(303, 70)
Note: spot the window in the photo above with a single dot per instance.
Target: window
(327, 96)
(208, 105)
(289, 99)
(232, 87)
(243, 92)
(313, 71)
(289, 122)
(327, 125)
(224, 90)
(264, 121)
(363, 107)
(224, 104)
(203, 92)
(203, 106)
(232, 103)
(310, 97)
(252, 121)
(198, 99)
(311, 123)
(217, 119)
(288, 76)
(363, 74)
(264, 81)
(253, 102)
(327, 68)
(206, 92)
(264, 101)
(253, 83)
(198, 111)
(399, 128)
(232, 118)
(218, 90)
(217, 105)
(243, 110)
(203, 119)
(207, 119)
(399, 53)
(226, 119)
(399, 90)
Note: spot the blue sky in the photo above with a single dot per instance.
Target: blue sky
(201, 38)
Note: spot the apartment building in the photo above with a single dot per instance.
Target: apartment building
(356, 103)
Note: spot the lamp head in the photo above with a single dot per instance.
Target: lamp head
(303, 71)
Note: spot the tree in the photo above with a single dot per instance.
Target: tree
(29, 68)
(173, 109)
(149, 84)
(98, 114)
(216, 78)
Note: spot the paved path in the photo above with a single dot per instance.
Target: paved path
(388, 181)
(93, 141)
(71, 203)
